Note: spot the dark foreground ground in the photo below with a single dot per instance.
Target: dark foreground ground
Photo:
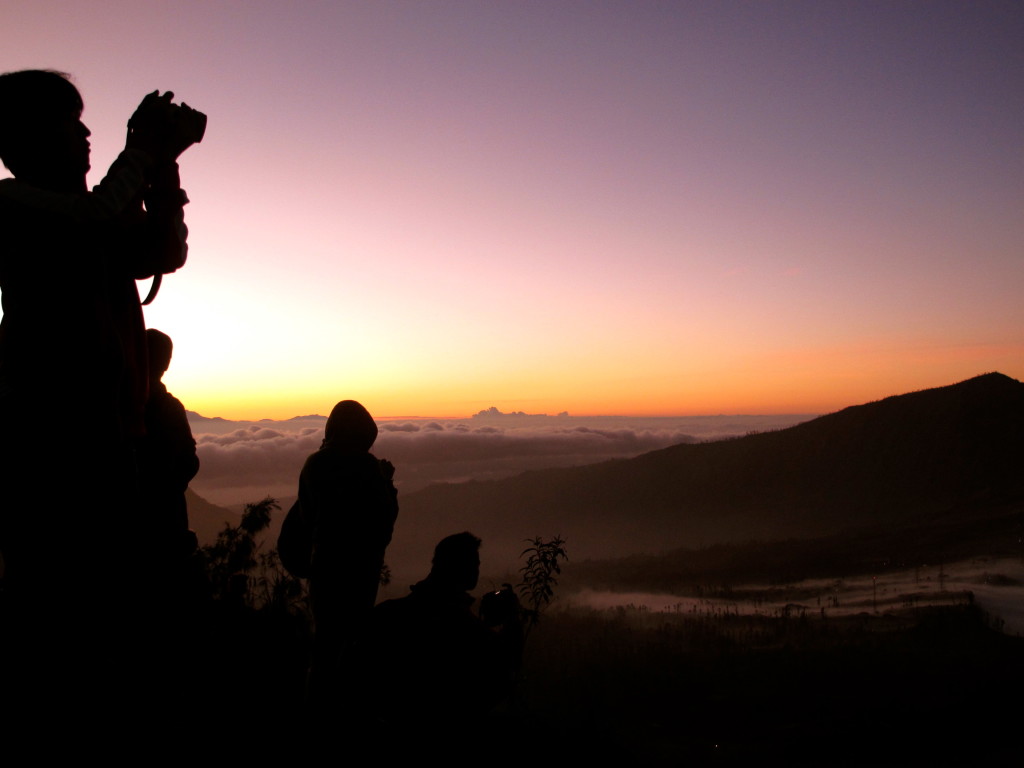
(933, 686)
(923, 686)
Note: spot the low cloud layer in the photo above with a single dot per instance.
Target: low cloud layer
(243, 461)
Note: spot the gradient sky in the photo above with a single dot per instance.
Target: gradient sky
(630, 207)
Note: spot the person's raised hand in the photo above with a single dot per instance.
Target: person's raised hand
(156, 128)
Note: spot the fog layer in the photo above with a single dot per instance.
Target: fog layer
(245, 460)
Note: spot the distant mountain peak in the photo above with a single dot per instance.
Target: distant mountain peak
(994, 378)
(193, 416)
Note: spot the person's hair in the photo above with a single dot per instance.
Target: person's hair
(160, 349)
(29, 100)
(457, 560)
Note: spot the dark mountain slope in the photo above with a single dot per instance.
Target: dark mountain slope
(913, 457)
(207, 519)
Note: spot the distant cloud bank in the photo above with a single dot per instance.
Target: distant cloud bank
(243, 461)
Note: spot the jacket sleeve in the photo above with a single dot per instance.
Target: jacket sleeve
(164, 245)
(150, 240)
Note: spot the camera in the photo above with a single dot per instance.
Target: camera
(191, 122)
(174, 126)
(500, 607)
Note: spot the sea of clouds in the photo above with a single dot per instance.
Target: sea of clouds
(245, 461)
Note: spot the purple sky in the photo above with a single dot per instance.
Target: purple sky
(436, 207)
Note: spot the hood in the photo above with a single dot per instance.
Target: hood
(350, 428)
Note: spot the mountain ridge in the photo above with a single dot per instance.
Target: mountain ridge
(898, 460)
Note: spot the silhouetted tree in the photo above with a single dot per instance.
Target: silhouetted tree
(242, 574)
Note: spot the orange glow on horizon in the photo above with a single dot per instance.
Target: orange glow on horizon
(654, 211)
(804, 385)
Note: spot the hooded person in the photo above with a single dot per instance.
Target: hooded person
(349, 504)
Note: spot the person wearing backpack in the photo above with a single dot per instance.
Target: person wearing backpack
(349, 504)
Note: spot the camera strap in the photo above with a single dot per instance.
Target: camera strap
(154, 289)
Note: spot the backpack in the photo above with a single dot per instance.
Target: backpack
(295, 543)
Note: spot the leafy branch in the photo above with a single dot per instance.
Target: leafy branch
(241, 574)
(540, 575)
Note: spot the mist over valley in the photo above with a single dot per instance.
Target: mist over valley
(911, 478)
(246, 460)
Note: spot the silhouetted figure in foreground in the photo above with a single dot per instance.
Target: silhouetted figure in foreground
(349, 504)
(167, 462)
(167, 456)
(72, 343)
(437, 669)
(73, 374)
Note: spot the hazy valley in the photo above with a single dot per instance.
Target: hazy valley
(846, 590)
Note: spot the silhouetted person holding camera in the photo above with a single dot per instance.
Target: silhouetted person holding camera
(73, 371)
(349, 504)
(437, 669)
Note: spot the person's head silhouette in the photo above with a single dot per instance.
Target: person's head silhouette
(456, 563)
(160, 348)
(350, 428)
(43, 140)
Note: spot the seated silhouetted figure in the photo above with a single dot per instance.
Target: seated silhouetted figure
(437, 669)
(167, 460)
